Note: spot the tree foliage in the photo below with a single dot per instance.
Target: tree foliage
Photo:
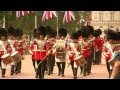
(27, 22)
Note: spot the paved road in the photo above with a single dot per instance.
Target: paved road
(98, 72)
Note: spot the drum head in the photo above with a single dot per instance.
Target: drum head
(36, 50)
(14, 53)
(6, 55)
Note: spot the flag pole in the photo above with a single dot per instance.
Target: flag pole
(57, 26)
(35, 20)
(4, 22)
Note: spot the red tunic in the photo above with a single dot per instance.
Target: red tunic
(19, 46)
(33, 46)
(1, 51)
(109, 55)
(98, 43)
(70, 49)
(49, 45)
(85, 49)
(107, 52)
(39, 50)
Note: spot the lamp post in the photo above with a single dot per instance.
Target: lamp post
(1, 24)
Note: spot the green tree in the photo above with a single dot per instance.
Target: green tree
(27, 22)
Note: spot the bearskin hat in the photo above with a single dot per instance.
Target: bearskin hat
(49, 31)
(75, 35)
(100, 31)
(111, 34)
(62, 32)
(54, 33)
(85, 32)
(91, 29)
(18, 32)
(96, 33)
(41, 31)
(35, 33)
(3, 32)
(119, 35)
(11, 31)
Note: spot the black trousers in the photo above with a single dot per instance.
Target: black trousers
(50, 63)
(61, 69)
(108, 68)
(81, 68)
(74, 70)
(18, 66)
(97, 57)
(33, 62)
(86, 66)
(41, 68)
(90, 64)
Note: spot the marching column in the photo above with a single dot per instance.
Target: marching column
(60, 51)
(33, 46)
(5, 51)
(74, 52)
(85, 49)
(50, 43)
(12, 41)
(41, 52)
(19, 48)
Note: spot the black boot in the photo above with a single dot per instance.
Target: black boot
(3, 72)
(19, 67)
(36, 70)
(12, 69)
(49, 72)
(75, 77)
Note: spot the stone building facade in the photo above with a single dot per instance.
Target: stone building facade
(105, 19)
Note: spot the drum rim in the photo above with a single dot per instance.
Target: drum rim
(3, 56)
(78, 57)
(14, 53)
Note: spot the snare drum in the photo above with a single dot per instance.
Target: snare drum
(16, 56)
(6, 58)
(80, 61)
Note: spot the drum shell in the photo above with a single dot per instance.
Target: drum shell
(39, 55)
(80, 61)
(7, 60)
(17, 57)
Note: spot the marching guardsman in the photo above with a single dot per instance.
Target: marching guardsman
(91, 40)
(113, 39)
(13, 42)
(51, 34)
(26, 40)
(32, 48)
(5, 50)
(19, 48)
(107, 52)
(41, 51)
(85, 49)
(74, 52)
(101, 37)
(98, 45)
(60, 51)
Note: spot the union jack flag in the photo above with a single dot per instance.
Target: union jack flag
(47, 15)
(21, 13)
(68, 16)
